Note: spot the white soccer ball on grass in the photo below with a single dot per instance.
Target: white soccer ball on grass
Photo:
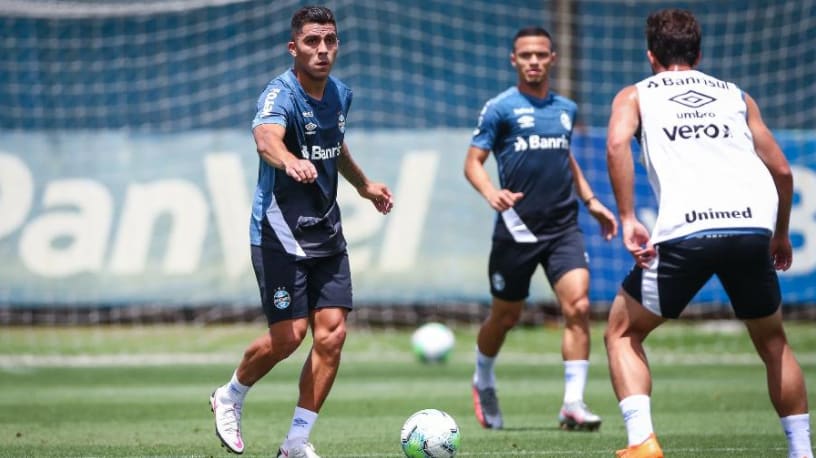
(432, 342)
(430, 433)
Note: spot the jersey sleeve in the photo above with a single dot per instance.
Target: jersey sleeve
(484, 136)
(273, 107)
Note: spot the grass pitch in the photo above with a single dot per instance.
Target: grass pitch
(143, 391)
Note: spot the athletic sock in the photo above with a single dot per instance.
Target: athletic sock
(637, 415)
(302, 422)
(484, 377)
(236, 390)
(797, 430)
(575, 376)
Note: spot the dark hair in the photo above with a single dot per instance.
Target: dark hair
(311, 15)
(531, 32)
(673, 37)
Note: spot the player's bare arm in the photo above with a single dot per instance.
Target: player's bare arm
(476, 174)
(623, 123)
(377, 193)
(269, 142)
(774, 159)
(609, 225)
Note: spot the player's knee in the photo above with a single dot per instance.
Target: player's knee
(507, 319)
(576, 311)
(283, 340)
(329, 342)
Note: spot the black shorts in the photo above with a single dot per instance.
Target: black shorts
(292, 287)
(741, 262)
(512, 264)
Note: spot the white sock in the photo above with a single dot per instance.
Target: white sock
(302, 422)
(484, 376)
(637, 415)
(236, 390)
(575, 376)
(797, 430)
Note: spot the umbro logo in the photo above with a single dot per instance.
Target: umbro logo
(692, 99)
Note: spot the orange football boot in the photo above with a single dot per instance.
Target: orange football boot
(646, 449)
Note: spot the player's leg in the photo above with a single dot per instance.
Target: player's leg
(786, 383)
(750, 280)
(510, 268)
(281, 281)
(316, 378)
(571, 291)
(565, 263)
(330, 302)
(502, 317)
(648, 297)
(628, 325)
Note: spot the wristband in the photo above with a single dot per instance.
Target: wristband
(588, 200)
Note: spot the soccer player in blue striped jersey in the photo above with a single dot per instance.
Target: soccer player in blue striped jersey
(529, 128)
(298, 249)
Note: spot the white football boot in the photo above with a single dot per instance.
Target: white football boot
(227, 422)
(302, 450)
(577, 416)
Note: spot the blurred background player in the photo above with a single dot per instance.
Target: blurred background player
(528, 128)
(298, 248)
(724, 189)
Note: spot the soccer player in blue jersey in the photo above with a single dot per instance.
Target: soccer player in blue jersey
(298, 249)
(725, 191)
(528, 128)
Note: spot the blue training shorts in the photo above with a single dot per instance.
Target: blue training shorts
(291, 287)
(512, 264)
(741, 262)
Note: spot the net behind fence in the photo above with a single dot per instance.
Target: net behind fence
(196, 64)
(88, 87)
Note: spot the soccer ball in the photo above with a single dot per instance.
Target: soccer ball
(430, 433)
(432, 342)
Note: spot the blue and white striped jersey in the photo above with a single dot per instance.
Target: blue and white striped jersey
(530, 139)
(303, 218)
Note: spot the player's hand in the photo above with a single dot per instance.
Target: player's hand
(781, 252)
(379, 195)
(502, 199)
(301, 170)
(609, 225)
(636, 240)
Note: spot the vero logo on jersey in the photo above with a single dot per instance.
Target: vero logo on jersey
(537, 142)
(689, 132)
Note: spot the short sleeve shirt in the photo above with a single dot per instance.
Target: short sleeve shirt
(301, 218)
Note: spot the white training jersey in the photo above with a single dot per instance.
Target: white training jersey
(700, 157)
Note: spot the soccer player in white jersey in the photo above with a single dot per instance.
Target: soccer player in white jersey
(528, 128)
(298, 249)
(724, 190)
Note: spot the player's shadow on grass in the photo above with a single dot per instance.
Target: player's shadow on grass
(521, 429)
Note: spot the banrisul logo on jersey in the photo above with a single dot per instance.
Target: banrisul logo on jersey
(319, 153)
(538, 142)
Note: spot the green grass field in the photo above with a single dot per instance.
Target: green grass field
(143, 391)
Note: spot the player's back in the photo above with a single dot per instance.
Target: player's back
(699, 154)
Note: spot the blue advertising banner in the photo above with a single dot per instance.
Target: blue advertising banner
(120, 217)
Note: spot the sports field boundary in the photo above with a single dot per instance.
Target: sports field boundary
(374, 315)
